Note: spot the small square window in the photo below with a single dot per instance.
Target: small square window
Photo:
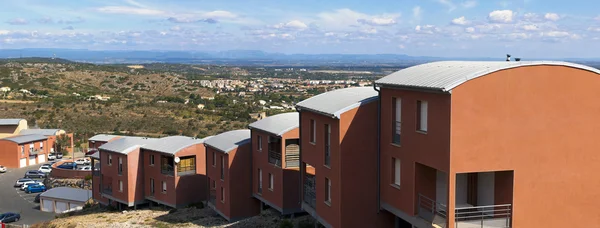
(164, 187)
(422, 109)
(152, 159)
(271, 182)
(396, 172)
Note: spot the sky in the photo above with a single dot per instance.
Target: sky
(443, 28)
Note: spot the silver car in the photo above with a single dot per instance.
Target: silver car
(2, 169)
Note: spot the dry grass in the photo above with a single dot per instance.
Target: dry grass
(16, 101)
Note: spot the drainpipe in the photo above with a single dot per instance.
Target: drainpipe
(378, 148)
(300, 163)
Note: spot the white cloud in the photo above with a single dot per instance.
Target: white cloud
(369, 31)
(501, 16)
(378, 21)
(460, 21)
(220, 14)
(470, 30)
(294, 25)
(426, 29)
(417, 12)
(175, 28)
(530, 27)
(448, 3)
(18, 21)
(591, 29)
(555, 34)
(552, 16)
(469, 4)
(4, 32)
(401, 46)
(130, 10)
(597, 18)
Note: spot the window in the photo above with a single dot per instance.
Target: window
(187, 165)
(120, 186)
(327, 145)
(396, 171)
(152, 159)
(259, 181)
(396, 119)
(41, 145)
(167, 165)
(222, 168)
(120, 166)
(214, 185)
(313, 131)
(222, 195)
(214, 159)
(259, 143)
(271, 182)
(22, 150)
(151, 186)
(109, 160)
(327, 191)
(422, 116)
(164, 187)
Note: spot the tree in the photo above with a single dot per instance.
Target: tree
(62, 142)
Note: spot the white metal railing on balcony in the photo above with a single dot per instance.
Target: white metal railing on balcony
(491, 216)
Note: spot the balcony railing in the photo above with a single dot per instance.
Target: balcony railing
(274, 159)
(310, 194)
(167, 170)
(186, 170)
(492, 216)
(107, 191)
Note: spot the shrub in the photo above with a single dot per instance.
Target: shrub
(88, 177)
(286, 224)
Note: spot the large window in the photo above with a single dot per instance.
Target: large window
(167, 165)
(396, 172)
(274, 148)
(422, 116)
(313, 131)
(187, 165)
(327, 191)
(222, 167)
(327, 144)
(396, 119)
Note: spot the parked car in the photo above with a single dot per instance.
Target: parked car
(51, 157)
(47, 165)
(83, 161)
(37, 198)
(30, 184)
(22, 181)
(9, 217)
(91, 151)
(86, 168)
(2, 169)
(59, 155)
(68, 165)
(33, 188)
(34, 174)
(45, 169)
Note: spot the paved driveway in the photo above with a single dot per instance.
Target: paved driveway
(14, 200)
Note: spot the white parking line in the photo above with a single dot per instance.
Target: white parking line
(23, 195)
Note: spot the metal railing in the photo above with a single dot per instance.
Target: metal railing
(167, 170)
(432, 211)
(496, 216)
(275, 158)
(186, 170)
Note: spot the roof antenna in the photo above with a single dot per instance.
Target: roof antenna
(507, 58)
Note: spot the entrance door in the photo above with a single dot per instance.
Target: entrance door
(22, 162)
(41, 158)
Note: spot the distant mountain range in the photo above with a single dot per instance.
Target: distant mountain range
(232, 57)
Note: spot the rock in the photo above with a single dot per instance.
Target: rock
(124, 212)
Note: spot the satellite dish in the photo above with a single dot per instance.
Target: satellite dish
(177, 159)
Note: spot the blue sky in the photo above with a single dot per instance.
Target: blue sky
(446, 28)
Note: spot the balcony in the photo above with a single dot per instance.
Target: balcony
(274, 149)
(167, 170)
(107, 190)
(275, 158)
(292, 153)
(491, 216)
(310, 193)
(186, 170)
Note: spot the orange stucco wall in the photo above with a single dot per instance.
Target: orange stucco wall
(10, 152)
(286, 183)
(541, 122)
(418, 152)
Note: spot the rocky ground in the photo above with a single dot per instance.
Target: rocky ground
(72, 183)
(157, 217)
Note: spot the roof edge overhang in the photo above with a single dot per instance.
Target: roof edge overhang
(279, 134)
(338, 113)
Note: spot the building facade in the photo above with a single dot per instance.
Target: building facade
(275, 162)
(11, 127)
(338, 131)
(494, 144)
(229, 172)
(175, 171)
(23, 150)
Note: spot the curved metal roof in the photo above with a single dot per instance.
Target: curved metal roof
(278, 124)
(446, 75)
(172, 144)
(102, 137)
(20, 139)
(47, 132)
(228, 141)
(126, 144)
(336, 102)
(9, 122)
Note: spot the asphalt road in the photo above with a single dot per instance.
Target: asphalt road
(14, 200)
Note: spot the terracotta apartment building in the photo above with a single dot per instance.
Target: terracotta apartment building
(229, 171)
(98, 140)
(490, 144)
(175, 171)
(275, 162)
(338, 137)
(122, 176)
(93, 143)
(52, 135)
(23, 150)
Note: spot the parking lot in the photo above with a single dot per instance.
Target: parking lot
(14, 200)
